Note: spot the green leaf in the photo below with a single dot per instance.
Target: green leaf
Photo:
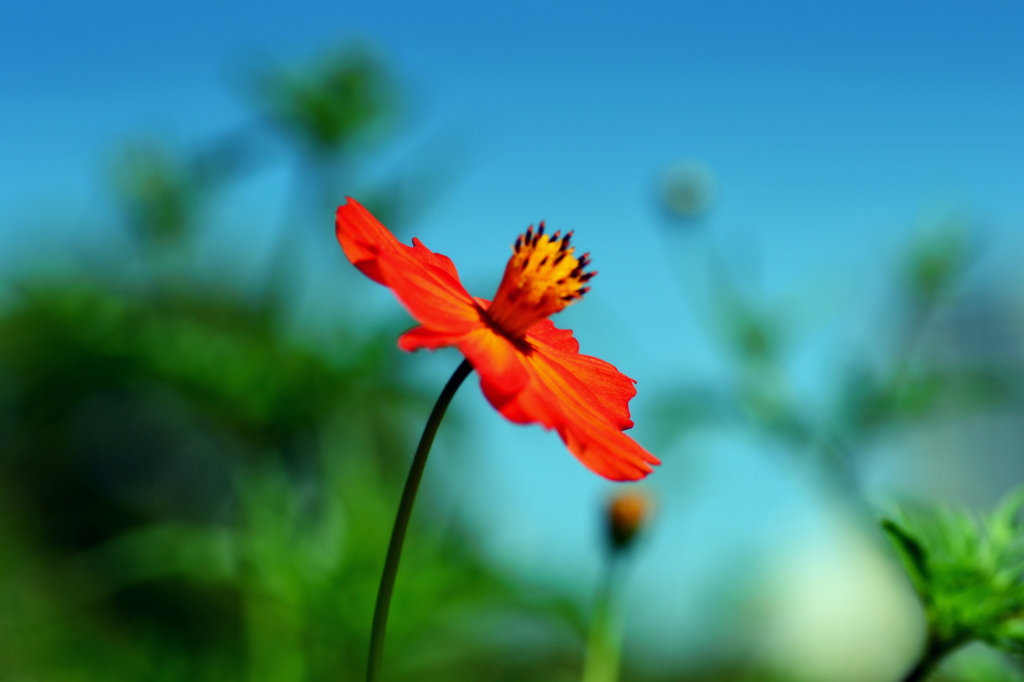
(913, 555)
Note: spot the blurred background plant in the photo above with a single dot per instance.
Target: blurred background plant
(969, 575)
(197, 482)
(931, 375)
(192, 489)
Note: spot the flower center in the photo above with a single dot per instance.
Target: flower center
(542, 277)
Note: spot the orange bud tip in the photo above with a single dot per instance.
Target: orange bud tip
(627, 513)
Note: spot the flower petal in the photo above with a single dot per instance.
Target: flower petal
(610, 388)
(430, 294)
(423, 337)
(609, 453)
(495, 358)
(362, 237)
(583, 398)
(425, 282)
(435, 259)
(546, 332)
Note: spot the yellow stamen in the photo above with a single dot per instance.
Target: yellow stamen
(542, 277)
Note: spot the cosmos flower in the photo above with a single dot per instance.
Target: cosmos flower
(530, 371)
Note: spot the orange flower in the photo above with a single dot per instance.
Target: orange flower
(529, 370)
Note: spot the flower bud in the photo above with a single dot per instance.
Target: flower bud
(687, 190)
(627, 512)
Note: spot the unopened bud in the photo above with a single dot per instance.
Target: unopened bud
(627, 513)
(688, 190)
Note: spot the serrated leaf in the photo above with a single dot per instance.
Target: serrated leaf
(1004, 518)
(913, 555)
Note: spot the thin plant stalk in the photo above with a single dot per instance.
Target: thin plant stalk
(604, 643)
(412, 484)
(933, 654)
(920, 671)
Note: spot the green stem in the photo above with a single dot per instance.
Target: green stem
(603, 643)
(933, 654)
(412, 484)
(921, 671)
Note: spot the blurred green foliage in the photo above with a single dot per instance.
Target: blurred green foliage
(924, 370)
(193, 489)
(937, 264)
(344, 99)
(903, 380)
(164, 195)
(190, 489)
(968, 573)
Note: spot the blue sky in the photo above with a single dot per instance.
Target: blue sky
(834, 131)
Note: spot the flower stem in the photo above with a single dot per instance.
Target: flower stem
(923, 668)
(604, 643)
(920, 671)
(412, 484)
